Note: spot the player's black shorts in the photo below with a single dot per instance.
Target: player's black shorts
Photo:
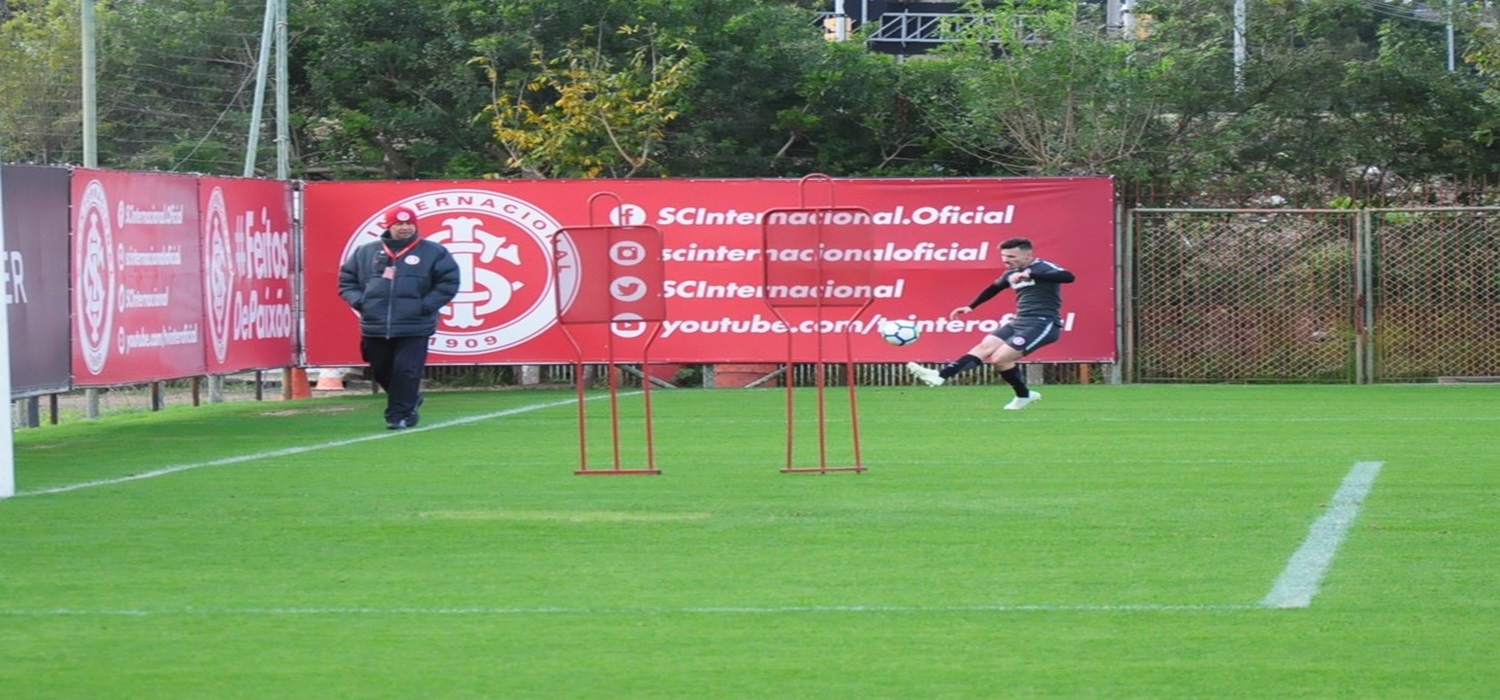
(1028, 333)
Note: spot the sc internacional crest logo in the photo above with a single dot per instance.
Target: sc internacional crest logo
(96, 274)
(504, 247)
(220, 278)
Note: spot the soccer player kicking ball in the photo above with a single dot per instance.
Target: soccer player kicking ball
(1038, 321)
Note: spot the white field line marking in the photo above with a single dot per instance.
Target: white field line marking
(687, 610)
(299, 450)
(1233, 419)
(1304, 572)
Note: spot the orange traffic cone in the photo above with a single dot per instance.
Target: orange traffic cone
(330, 379)
(300, 387)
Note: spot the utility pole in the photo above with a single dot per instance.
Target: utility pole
(262, 67)
(90, 131)
(1452, 63)
(283, 103)
(1119, 19)
(1239, 45)
(90, 87)
(284, 167)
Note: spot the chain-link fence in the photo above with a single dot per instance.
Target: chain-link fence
(1435, 294)
(1312, 295)
(180, 73)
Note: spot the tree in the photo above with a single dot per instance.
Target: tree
(857, 118)
(1482, 24)
(39, 82)
(176, 84)
(1331, 100)
(768, 96)
(744, 115)
(1412, 120)
(1036, 91)
(584, 114)
(384, 88)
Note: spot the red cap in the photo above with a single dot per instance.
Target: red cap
(399, 215)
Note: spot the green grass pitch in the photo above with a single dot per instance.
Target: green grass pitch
(1107, 542)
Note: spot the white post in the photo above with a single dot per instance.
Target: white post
(1239, 45)
(283, 102)
(89, 59)
(7, 448)
(252, 143)
(1448, 16)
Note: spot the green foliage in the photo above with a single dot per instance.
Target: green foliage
(739, 118)
(176, 84)
(689, 376)
(1332, 98)
(39, 47)
(860, 117)
(582, 114)
(1041, 92)
(386, 90)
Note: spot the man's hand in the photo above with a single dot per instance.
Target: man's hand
(954, 314)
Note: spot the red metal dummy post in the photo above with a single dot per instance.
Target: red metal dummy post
(818, 259)
(620, 294)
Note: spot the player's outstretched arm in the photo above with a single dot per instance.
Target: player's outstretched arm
(986, 295)
(1049, 272)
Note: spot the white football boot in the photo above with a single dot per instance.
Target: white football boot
(1019, 403)
(929, 376)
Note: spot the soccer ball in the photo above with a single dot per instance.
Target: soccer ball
(899, 332)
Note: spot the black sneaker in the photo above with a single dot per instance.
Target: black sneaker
(397, 425)
(415, 416)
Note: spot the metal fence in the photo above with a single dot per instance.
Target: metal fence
(1375, 295)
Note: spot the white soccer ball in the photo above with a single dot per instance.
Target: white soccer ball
(899, 332)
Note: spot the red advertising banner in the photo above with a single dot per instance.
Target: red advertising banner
(137, 297)
(932, 246)
(249, 315)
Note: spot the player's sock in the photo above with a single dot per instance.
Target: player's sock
(1012, 377)
(962, 364)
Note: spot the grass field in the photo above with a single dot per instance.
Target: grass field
(1108, 542)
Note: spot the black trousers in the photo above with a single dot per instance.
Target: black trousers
(397, 365)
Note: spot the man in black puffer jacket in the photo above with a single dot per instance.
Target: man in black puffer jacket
(398, 285)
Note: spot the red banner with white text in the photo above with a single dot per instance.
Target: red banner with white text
(923, 248)
(137, 297)
(249, 314)
(177, 276)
